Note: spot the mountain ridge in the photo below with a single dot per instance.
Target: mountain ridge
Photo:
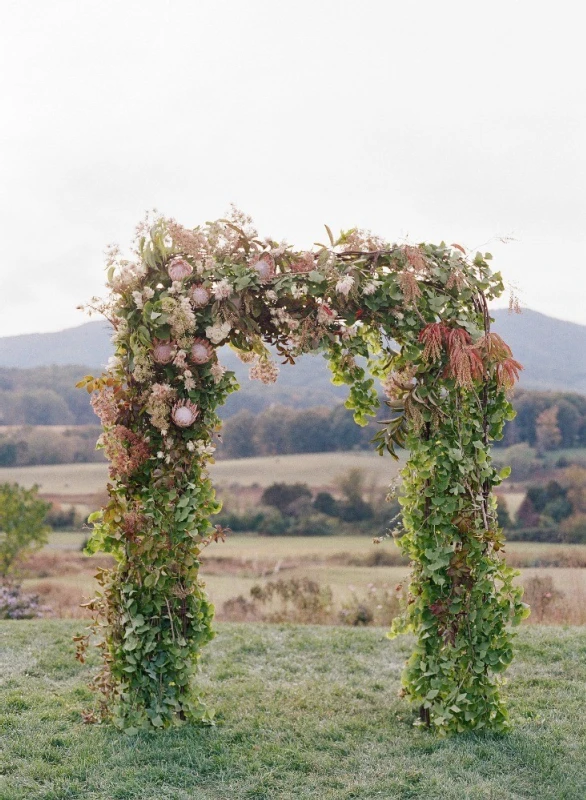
(552, 351)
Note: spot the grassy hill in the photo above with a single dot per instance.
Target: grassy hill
(302, 712)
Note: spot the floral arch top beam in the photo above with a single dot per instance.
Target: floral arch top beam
(187, 292)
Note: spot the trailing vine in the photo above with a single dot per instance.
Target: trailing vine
(418, 315)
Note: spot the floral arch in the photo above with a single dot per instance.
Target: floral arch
(419, 315)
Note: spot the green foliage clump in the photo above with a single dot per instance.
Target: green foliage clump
(22, 527)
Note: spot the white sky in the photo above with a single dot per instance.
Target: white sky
(462, 121)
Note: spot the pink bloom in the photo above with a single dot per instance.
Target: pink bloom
(184, 413)
(305, 263)
(201, 351)
(178, 268)
(200, 296)
(265, 266)
(163, 352)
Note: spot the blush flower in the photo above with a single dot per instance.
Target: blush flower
(163, 352)
(200, 296)
(222, 289)
(201, 351)
(179, 269)
(344, 285)
(265, 266)
(184, 413)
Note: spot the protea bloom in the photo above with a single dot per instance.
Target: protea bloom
(200, 296)
(178, 268)
(265, 266)
(163, 352)
(184, 413)
(201, 351)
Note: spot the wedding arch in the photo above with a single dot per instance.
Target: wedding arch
(419, 316)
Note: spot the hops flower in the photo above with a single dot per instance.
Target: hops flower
(184, 413)
(218, 371)
(370, 287)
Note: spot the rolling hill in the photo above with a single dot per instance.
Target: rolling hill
(552, 351)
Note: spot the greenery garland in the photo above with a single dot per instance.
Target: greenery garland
(418, 315)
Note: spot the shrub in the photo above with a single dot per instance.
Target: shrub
(16, 605)
(299, 600)
(326, 503)
(314, 525)
(379, 605)
(60, 517)
(281, 495)
(22, 527)
(545, 601)
(573, 529)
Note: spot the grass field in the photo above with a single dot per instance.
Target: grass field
(316, 469)
(302, 712)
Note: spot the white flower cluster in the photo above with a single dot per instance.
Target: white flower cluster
(181, 316)
(344, 285)
(284, 318)
(264, 370)
(370, 287)
(218, 332)
(222, 289)
(299, 291)
(206, 450)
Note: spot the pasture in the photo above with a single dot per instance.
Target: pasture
(350, 565)
(301, 712)
(316, 469)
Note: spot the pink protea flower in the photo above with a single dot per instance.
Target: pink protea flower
(163, 352)
(201, 351)
(200, 296)
(184, 413)
(264, 265)
(305, 263)
(178, 268)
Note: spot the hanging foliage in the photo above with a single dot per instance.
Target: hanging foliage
(418, 314)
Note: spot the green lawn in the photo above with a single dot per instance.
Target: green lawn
(302, 712)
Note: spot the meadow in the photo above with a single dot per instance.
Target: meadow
(316, 469)
(301, 712)
(355, 570)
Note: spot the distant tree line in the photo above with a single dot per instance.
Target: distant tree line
(44, 396)
(293, 509)
(554, 511)
(547, 420)
(29, 445)
(47, 396)
(281, 430)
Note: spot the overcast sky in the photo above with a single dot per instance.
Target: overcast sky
(462, 121)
